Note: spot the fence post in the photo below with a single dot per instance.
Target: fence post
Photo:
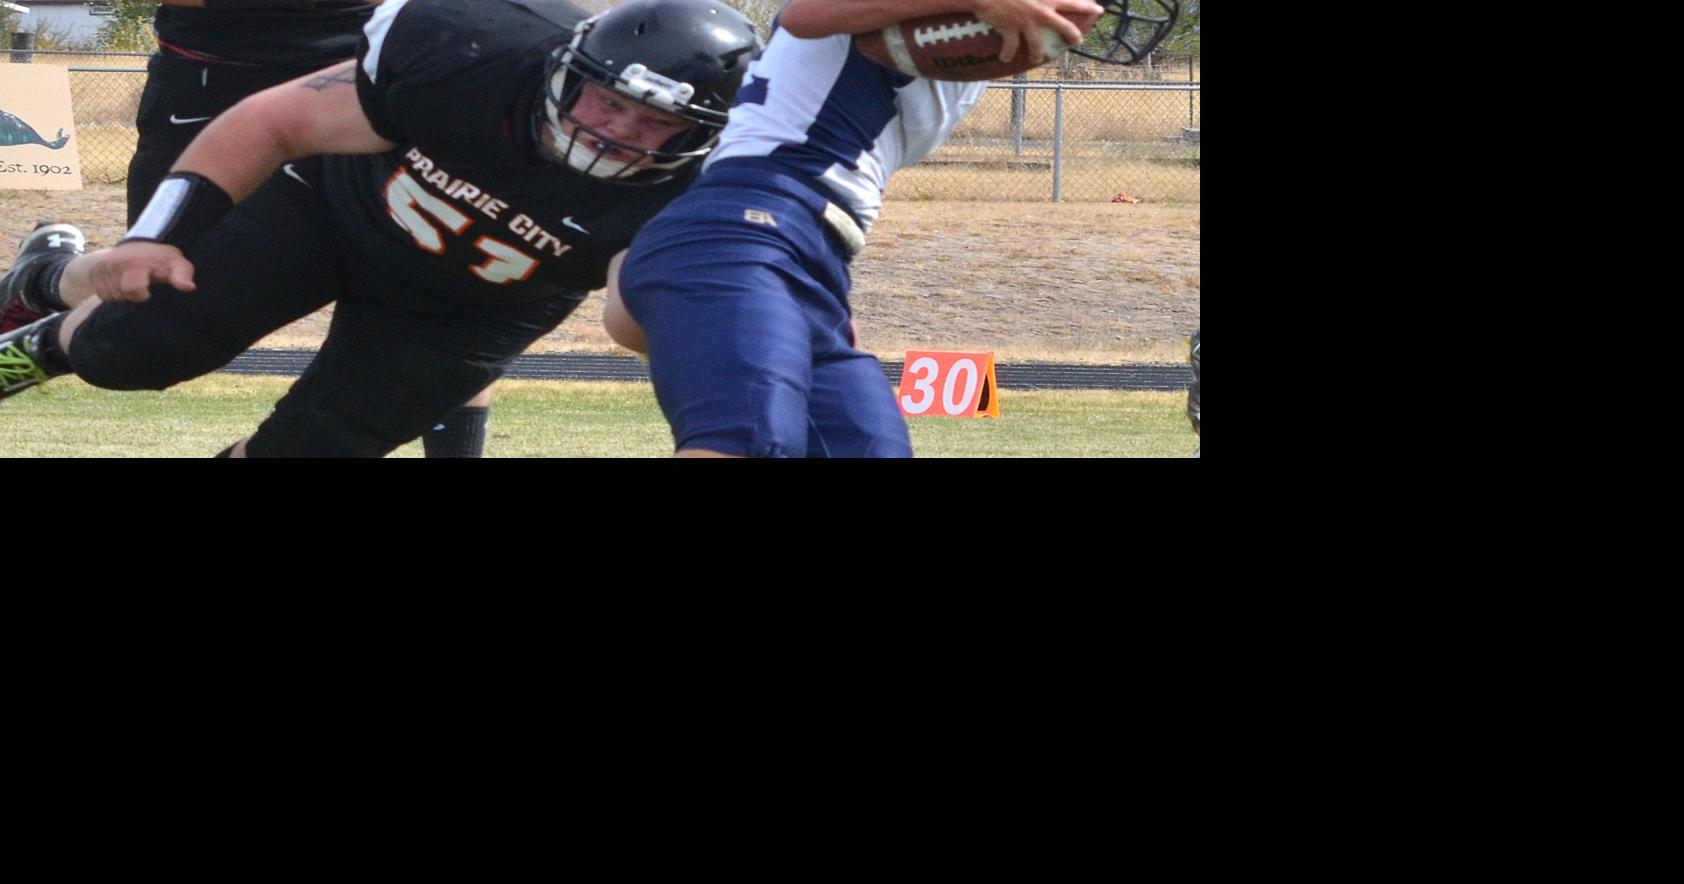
(1192, 123)
(22, 42)
(1058, 142)
(1018, 100)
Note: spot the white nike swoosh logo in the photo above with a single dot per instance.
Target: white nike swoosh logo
(569, 222)
(295, 176)
(181, 122)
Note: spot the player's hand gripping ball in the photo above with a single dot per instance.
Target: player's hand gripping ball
(955, 46)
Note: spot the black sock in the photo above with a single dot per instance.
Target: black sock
(461, 434)
(43, 341)
(46, 287)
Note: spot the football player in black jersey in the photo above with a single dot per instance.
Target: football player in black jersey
(214, 53)
(211, 55)
(454, 192)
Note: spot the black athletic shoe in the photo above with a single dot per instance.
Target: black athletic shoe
(46, 245)
(21, 364)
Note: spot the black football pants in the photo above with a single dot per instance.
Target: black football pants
(181, 97)
(394, 362)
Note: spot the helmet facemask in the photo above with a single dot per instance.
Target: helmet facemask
(1130, 29)
(585, 149)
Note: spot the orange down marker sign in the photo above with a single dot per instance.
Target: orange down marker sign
(949, 384)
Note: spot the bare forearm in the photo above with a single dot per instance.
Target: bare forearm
(234, 151)
(316, 114)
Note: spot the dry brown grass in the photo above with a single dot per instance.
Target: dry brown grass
(1084, 282)
(1098, 115)
(1086, 179)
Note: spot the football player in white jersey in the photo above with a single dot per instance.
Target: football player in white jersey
(738, 291)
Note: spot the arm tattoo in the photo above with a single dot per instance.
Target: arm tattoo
(348, 75)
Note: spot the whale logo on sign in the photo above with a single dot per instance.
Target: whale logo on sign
(15, 131)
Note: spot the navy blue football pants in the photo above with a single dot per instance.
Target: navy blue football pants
(742, 293)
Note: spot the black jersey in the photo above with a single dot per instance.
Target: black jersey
(289, 38)
(465, 210)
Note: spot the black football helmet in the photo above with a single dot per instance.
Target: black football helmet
(682, 57)
(1131, 29)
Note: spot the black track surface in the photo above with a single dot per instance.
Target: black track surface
(596, 367)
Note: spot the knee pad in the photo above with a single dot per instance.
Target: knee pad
(110, 352)
(105, 362)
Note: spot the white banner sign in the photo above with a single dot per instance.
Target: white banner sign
(37, 129)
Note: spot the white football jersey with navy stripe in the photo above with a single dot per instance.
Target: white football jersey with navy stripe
(830, 112)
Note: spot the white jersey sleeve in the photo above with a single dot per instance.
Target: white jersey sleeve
(829, 112)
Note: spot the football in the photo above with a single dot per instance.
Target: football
(953, 46)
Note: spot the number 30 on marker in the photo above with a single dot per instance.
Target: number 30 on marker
(949, 384)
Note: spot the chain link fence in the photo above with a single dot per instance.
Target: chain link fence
(105, 92)
(1072, 138)
(1067, 141)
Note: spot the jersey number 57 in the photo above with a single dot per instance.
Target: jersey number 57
(411, 204)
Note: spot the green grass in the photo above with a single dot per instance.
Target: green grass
(68, 418)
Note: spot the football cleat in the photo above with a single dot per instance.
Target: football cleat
(47, 245)
(20, 359)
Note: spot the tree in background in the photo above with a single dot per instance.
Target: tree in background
(761, 12)
(1185, 40)
(128, 25)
